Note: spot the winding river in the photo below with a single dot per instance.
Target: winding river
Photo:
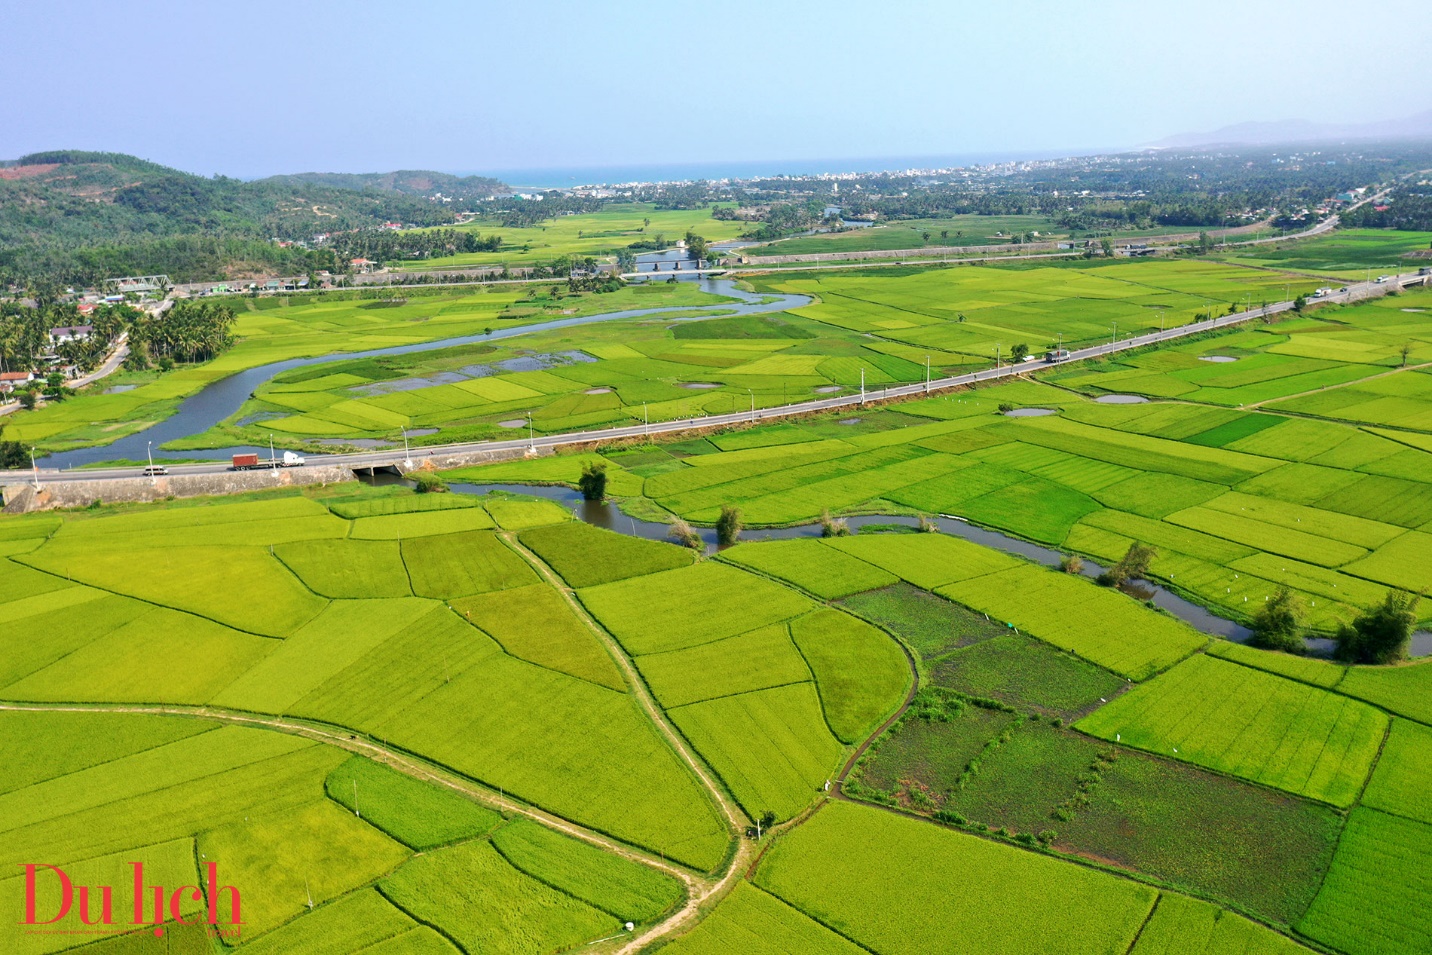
(606, 515)
(221, 399)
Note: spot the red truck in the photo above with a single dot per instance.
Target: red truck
(252, 462)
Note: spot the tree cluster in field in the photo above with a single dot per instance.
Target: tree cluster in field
(1380, 634)
(25, 332)
(426, 482)
(515, 213)
(188, 332)
(388, 245)
(785, 218)
(593, 482)
(728, 526)
(1134, 565)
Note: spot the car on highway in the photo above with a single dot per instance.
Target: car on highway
(155, 470)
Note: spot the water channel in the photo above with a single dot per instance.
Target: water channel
(217, 401)
(606, 515)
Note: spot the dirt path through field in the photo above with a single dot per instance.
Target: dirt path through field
(1349, 384)
(735, 817)
(343, 739)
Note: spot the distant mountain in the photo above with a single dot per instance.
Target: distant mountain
(1303, 131)
(78, 217)
(407, 182)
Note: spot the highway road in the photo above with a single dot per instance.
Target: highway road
(536, 443)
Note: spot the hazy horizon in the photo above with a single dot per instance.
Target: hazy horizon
(554, 86)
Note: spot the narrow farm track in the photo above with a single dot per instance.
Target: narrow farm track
(1350, 384)
(346, 740)
(700, 892)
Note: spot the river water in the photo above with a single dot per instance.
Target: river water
(217, 401)
(606, 515)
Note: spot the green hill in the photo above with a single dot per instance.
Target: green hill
(408, 182)
(70, 216)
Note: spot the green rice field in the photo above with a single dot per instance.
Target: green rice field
(453, 723)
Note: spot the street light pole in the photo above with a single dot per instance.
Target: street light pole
(753, 403)
(862, 386)
(531, 438)
(927, 374)
(35, 467)
(646, 421)
(407, 455)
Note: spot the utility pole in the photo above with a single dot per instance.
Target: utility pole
(35, 467)
(753, 403)
(355, 800)
(1115, 337)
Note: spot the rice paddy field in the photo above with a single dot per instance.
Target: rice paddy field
(911, 234)
(883, 325)
(597, 234)
(459, 723)
(1346, 253)
(276, 329)
(1251, 460)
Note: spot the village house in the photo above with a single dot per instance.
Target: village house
(11, 380)
(70, 333)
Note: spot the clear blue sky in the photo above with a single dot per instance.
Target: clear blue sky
(258, 87)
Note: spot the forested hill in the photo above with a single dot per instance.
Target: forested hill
(79, 217)
(408, 182)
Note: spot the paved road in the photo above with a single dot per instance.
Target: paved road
(397, 458)
(111, 364)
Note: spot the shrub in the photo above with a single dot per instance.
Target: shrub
(1278, 624)
(1071, 564)
(1005, 407)
(685, 535)
(1134, 564)
(1046, 836)
(429, 483)
(593, 482)
(833, 526)
(728, 525)
(928, 525)
(1379, 634)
